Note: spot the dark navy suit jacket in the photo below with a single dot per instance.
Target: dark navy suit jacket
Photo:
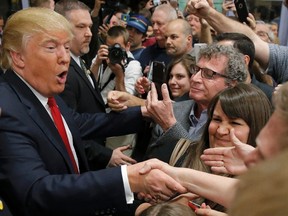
(36, 176)
(80, 95)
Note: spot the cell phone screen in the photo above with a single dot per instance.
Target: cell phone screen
(158, 76)
(158, 72)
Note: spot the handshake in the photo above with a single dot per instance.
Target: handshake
(154, 180)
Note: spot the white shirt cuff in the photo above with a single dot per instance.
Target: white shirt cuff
(128, 193)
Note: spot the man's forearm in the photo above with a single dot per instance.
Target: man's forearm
(221, 24)
(120, 84)
(205, 36)
(213, 187)
(136, 101)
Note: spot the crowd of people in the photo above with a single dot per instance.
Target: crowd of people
(147, 111)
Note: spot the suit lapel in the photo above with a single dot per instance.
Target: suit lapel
(81, 73)
(38, 114)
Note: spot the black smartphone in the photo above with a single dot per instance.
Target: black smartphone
(158, 76)
(158, 72)
(242, 10)
(107, 22)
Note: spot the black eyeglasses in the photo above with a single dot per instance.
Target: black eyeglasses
(206, 73)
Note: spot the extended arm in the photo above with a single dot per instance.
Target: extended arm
(206, 36)
(119, 101)
(221, 23)
(213, 187)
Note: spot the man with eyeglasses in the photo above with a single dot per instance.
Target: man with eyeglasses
(219, 67)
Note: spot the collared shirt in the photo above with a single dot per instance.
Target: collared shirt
(197, 125)
(132, 72)
(77, 60)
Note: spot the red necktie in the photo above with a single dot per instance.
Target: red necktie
(61, 129)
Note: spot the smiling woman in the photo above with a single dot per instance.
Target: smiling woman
(178, 79)
(243, 108)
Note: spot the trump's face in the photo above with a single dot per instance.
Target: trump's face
(44, 62)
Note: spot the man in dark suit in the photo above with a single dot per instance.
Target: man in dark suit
(81, 89)
(41, 173)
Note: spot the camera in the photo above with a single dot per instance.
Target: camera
(117, 55)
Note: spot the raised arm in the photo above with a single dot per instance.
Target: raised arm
(221, 23)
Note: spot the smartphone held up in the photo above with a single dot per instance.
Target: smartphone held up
(242, 10)
(157, 75)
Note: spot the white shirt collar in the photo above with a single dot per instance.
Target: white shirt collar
(76, 59)
(40, 97)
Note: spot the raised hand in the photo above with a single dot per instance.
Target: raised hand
(142, 85)
(228, 160)
(251, 21)
(97, 6)
(103, 29)
(102, 54)
(200, 8)
(228, 5)
(160, 111)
